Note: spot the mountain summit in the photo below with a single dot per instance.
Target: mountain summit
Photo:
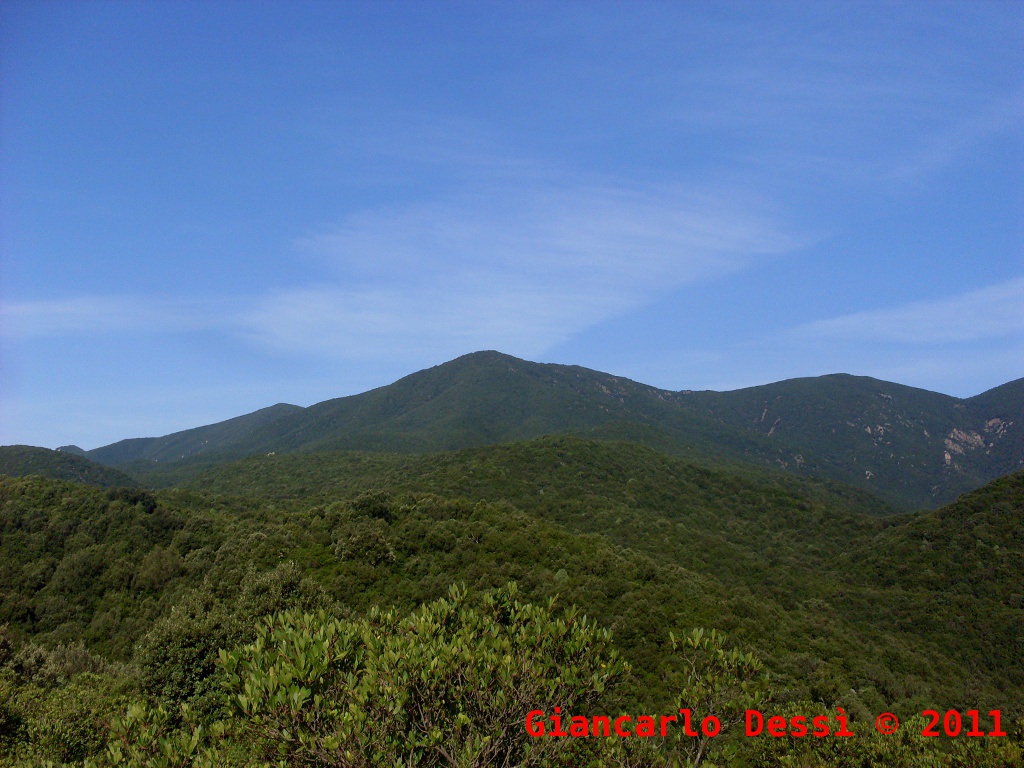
(911, 446)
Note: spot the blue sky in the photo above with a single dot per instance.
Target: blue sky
(207, 208)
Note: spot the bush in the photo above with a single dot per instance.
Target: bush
(451, 683)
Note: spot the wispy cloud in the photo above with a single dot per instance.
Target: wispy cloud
(871, 114)
(992, 312)
(517, 268)
(937, 150)
(428, 322)
(508, 269)
(111, 314)
(639, 237)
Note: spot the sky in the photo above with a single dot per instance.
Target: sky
(211, 207)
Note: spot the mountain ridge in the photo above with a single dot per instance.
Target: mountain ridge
(189, 442)
(26, 460)
(911, 446)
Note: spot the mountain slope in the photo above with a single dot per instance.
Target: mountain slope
(762, 564)
(974, 546)
(22, 460)
(715, 521)
(946, 579)
(488, 398)
(999, 414)
(913, 447)
(222, 438)
(954, 575)
(477, 399)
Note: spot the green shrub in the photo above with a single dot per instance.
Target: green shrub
(449, 684)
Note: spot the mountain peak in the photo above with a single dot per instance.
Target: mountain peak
(912, 447)
(483, 358)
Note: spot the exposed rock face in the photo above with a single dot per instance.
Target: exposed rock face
(960, 441)
(997, 427)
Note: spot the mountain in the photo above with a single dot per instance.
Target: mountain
(1001, 413)
(222, 438)
(953, 576)
(847, 603)
(548, 476)
(23, 460)
(478, 399)
(735, 523)
(72, 449)
(912, 447)
(973, 547)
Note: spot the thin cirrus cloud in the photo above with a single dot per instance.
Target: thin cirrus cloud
(636, 236)
(95, 315)
(992, 312)
(507, 270)
(1001, 115)
(515, 269)
(430, 323)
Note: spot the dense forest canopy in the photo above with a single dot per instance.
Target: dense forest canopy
(120, 604)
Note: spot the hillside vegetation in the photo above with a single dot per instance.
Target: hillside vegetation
(911, 447)
(22, 460)
(916, 447)
(126, 595)
(221, 438)
(791, 542)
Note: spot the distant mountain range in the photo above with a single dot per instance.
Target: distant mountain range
(912, 447)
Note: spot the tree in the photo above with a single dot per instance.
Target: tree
(449, 685)
(714, 682)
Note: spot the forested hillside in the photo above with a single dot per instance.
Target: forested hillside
(21, 460)
(117, 596)
(915, 446)
(785, 539)
(214, 439)
(911, 447)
